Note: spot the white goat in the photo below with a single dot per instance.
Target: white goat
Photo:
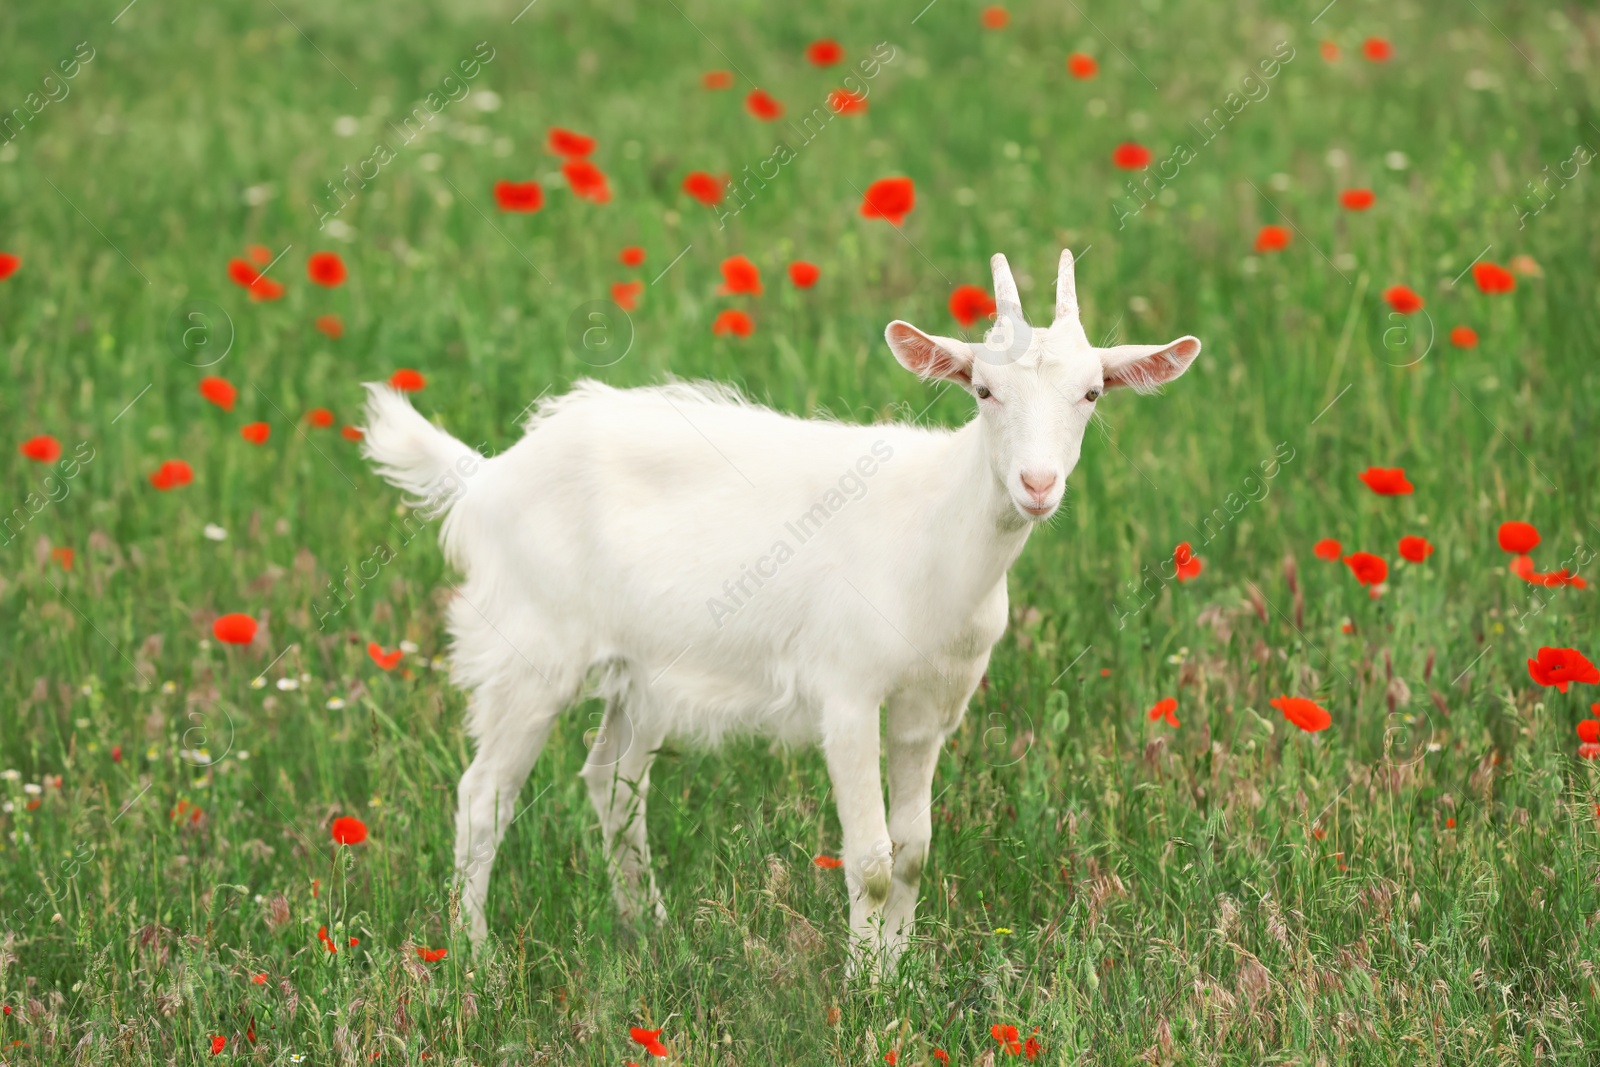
(715, 567)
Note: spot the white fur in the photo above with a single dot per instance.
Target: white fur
(711, 567)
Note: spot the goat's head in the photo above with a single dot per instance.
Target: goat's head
(1037, 389)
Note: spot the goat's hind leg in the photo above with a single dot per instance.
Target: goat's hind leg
(510, 721)
(852, 747)
(617, 773)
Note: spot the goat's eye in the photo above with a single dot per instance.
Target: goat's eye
(983, 392)
(1092, 395)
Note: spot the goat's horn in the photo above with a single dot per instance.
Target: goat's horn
(1007, 303)
(1066, 289)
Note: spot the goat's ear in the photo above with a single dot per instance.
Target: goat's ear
(1145, 368)
(928, 356)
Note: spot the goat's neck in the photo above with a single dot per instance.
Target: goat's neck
(974, 522)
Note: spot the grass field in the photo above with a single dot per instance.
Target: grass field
(1416, 884)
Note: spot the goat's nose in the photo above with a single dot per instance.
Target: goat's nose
(1039, 483)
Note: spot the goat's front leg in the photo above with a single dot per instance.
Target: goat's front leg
(851, 745)
(914, 743)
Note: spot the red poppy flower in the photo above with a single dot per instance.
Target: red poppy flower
(219, 391)
(1376, 49)
(942, 1056)
(1031, 1048)
(1584, 752)
(1306, 714)
(1130, 156)
(1464, 337)
(1403, 299)
(326, 268)
(739, 275)
(266, 289)
(1368, 569)
(218, 1043)
(1082, 66)
(824, 53)
(259, 286)
(1010, 1040)
(626, 294)
(242, 273)
(804, 275)
(407, 380)
(386, 660)
(995, 18)
(330, 325)
(889, 198)
(260, 255)
(844, 102)
(9, 263)
(321, 418)
(171, 474)
(1561, 667)
(650, 1039)
(735, 322)
(1186, 563)
(969, 303)
(1519, 538)
(1357, 199)
(1415, 549)
(892, 1057)
(1493, 278)
(828, 863)
(349, 830)
(631, 256)
(351, 433)
(717, 79)
(568, 144)
(519, 196)
(432, 955)
(1387, 481)
(259, 979)
(1589, 731)
(63, 556)
(235, 629)
(322, 935)
(1272, 238)
(256, 432)
(761, 104)
(1330, 51)
(41, 449)
(703, 187)
(587, 180)
(1165, 709)
(1328, 549)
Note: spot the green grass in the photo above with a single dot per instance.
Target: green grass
(1232, 891)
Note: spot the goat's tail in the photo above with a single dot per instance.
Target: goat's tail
(413, 454)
